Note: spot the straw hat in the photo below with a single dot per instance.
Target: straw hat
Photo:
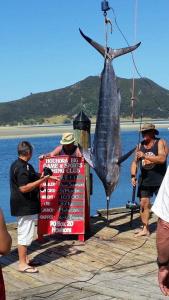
(149, 127)
(67, 138)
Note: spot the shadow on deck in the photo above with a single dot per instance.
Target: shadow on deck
(111, 264)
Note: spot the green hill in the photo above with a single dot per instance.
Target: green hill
(151, 100)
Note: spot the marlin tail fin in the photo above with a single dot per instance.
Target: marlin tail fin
(108, 52)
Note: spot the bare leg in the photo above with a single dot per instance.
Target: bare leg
(144, 214)
(22, 252)
(23, 259)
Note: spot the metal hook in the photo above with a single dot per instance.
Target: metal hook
(108, 21)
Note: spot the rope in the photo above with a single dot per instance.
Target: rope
(106, 33)
(147, 81)
(42, 295)
(133, 98)
(106, 22)
(137, 165)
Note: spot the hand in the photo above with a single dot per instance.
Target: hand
(47, 177)
(147, 162)
(133, 181)
(43, 175)
(57, 178)
(140, 154)
(42, 156)
(163, 280)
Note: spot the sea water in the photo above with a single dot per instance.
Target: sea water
(119, 197)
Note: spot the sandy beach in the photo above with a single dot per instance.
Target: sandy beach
(32, 131)
(54, 130)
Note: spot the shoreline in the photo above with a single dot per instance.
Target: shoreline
(7, 132)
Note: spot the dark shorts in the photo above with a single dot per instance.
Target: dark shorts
(147, 191)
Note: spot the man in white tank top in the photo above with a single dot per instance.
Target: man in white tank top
(161, 209)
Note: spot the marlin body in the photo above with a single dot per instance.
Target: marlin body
(105, 155)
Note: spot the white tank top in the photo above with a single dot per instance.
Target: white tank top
(161, 203)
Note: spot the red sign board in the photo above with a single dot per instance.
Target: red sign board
(63, 202)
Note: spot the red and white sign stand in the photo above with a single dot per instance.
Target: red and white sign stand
(64, 208)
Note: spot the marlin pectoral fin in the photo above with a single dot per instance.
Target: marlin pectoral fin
(87, 155)
(125, 156)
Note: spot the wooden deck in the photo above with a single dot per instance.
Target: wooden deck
(111, 264)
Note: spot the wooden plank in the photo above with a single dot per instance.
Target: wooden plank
(128, 287)
(20, 280)
(42, 289)
(98, 297)
(112, 256)
(52, 292)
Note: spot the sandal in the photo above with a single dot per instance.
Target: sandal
(29, 270)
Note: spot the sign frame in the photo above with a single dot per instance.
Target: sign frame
(64, 209)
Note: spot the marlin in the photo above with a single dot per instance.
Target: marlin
(105, 156)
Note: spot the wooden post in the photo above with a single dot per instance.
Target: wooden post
(81, 126)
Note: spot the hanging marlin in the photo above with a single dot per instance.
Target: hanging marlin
(105, 155)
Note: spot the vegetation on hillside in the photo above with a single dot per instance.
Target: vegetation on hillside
(151, 100)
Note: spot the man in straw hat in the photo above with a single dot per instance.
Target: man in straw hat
(67, 147)
(151, 155)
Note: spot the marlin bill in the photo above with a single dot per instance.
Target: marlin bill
(105, 155)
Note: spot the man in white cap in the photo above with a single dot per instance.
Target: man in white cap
(67, 147)
(151, 155)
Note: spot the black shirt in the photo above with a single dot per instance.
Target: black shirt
(151, 175)
(22, 204)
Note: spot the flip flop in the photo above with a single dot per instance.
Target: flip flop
(27, 270)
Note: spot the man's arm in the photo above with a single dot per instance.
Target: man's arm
(78, 152)
(161, 157)
(32, 185)
(165, 146)
(157, 159)
(5, 238)
(55, 152)
(133, 171)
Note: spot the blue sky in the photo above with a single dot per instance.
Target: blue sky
(41, 48)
